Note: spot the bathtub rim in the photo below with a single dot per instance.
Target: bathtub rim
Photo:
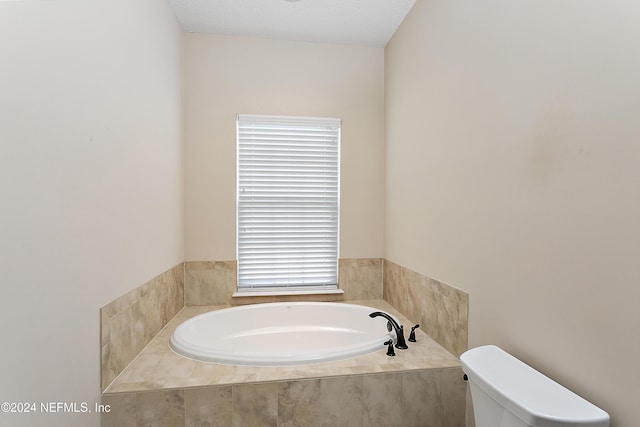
(200, 353)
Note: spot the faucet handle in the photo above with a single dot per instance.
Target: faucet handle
(390, 351)
(412, 335)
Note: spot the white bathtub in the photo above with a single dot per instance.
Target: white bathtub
(281, 334)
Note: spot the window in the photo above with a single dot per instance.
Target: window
(288, 197)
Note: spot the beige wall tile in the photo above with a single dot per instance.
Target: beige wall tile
(122, 410)
(160, 409)
(421, 401)
(382, 397)
(435, 397)
(342, 401)
(453, 397)
(120, 344)
(299, 403)
(210, 283)
(255, 405)
(395, 291)
(208, 407)
(361, 278)
(144, 320)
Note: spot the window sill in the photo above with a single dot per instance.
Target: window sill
(253, 297)
(286, 293)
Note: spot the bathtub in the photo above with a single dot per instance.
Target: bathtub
(275, 334)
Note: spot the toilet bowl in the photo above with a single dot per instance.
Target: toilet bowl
(508, 393)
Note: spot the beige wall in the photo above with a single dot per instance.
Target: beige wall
(90, 181)
(511, 172)
(223, 76)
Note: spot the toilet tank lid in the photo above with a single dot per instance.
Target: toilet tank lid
(531, 396)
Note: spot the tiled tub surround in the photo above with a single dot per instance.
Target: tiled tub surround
(130, 322)
(213, 282)
(420, 386)
(440, 309)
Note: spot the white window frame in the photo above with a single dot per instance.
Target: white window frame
(287, 203)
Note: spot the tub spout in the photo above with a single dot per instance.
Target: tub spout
(400, 343)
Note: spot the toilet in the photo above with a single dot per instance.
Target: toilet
(509, 393)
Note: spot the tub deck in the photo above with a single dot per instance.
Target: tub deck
(157, 367)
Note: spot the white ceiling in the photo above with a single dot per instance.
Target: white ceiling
(356, 22)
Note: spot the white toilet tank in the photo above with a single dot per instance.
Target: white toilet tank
(508, 393)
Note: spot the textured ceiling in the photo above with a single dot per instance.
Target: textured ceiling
(358, 22)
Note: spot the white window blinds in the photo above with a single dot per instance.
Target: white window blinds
(288, 202)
